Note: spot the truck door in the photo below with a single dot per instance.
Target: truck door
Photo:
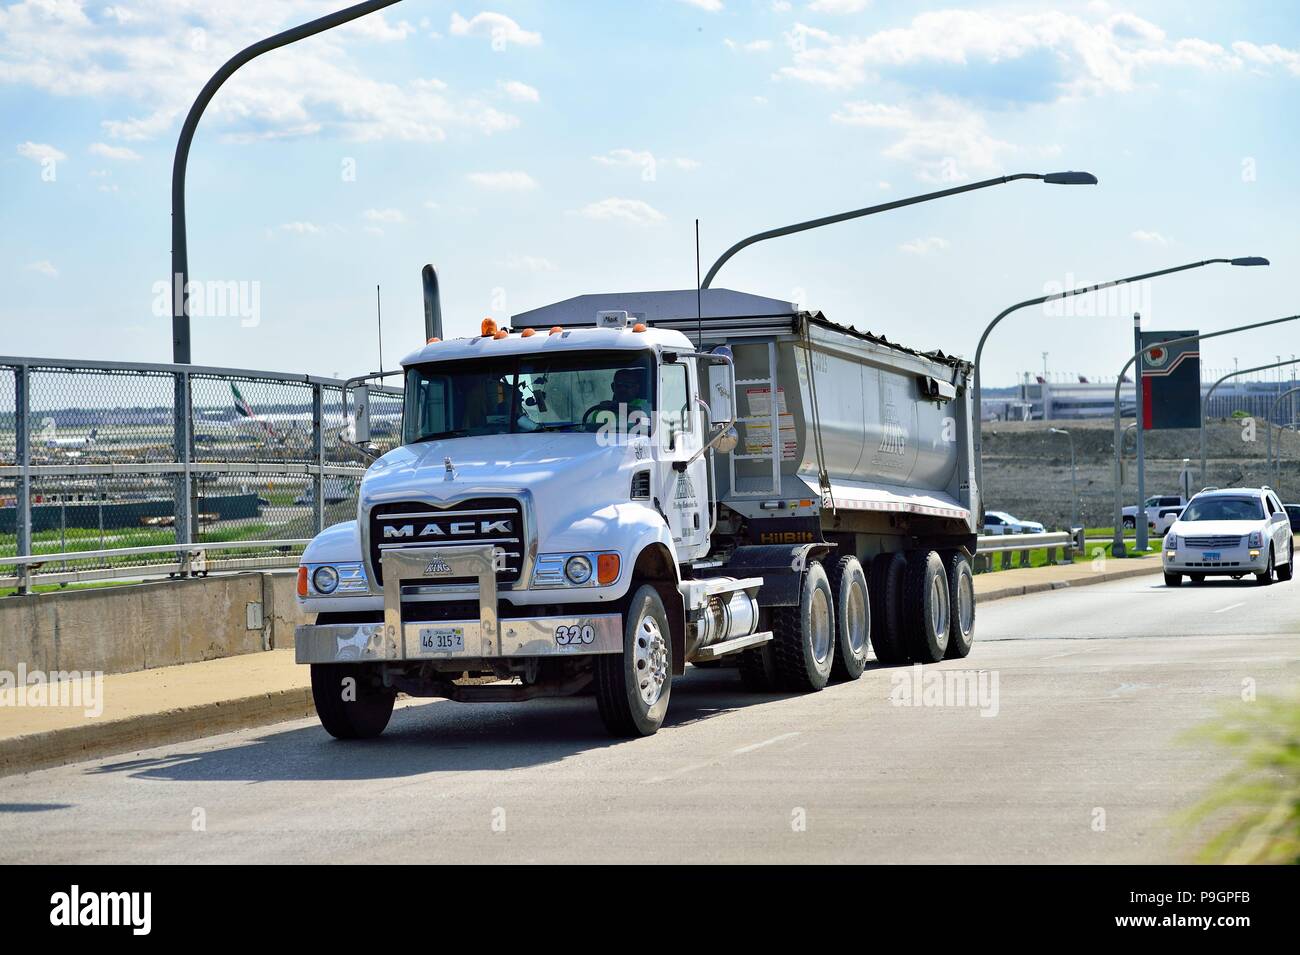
(683, 495)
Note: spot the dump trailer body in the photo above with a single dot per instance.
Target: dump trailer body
(870, 437)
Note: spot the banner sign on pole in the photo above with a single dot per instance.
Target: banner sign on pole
(1171, 382)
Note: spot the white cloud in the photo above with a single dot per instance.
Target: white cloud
(1151, 238)
(503, 181)
(781, 6)
(838, 7)
(708, 6)
(301, 228)
(1092, 55)
(530, 263)
(44, 268)
(502, 30)
(384, 215)
(1269, 55)
(753, 46)
(947, 143)
(519, 92)
(40, 152)
(925, 246)
(150, 69)
(114, 152)
(632, 211)
(646, 161)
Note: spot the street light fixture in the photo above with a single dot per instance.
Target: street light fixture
(1074, 479)
(1247, 260)
(1070, 178)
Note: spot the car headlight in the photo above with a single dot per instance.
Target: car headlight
(1256, 539)
(1171, 541)
(325, 579)
(578, 569)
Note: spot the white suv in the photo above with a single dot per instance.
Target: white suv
(1230, 532)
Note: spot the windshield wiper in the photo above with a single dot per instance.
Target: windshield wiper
(439, 435)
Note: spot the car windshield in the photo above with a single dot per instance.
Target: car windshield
(1224, 509)
(526, 393)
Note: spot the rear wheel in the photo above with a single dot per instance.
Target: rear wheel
(351, 700)
(961, 604)
(803, 637)
(1173, 580)
(886, 595)
(852, 618)
(632, 687)
(926, 616)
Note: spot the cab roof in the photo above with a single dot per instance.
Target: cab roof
(544, 341)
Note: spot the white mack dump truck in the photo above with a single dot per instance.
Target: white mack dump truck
(616, 487)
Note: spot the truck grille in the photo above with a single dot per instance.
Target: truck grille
(481, 520)
(1213, 542)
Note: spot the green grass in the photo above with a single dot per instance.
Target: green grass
(55, 588)
(1254, 811)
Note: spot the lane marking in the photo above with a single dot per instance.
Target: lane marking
(767, 742)
(1230, 607)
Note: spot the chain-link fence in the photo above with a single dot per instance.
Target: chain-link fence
(128, 470)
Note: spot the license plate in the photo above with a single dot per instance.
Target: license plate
(1210, 555)
(442, 639)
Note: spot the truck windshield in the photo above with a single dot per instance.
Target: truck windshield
(1224, 509)
(514, 394)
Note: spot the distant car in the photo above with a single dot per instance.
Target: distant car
(1162, 510)
(1230, 532)
(1000, 522)
(1293, 515)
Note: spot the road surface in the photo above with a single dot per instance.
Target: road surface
(1079, 759)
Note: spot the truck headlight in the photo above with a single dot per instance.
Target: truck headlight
(578, 569)
(325, 579)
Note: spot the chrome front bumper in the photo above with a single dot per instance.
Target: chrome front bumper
(1230, 560)
(473, 639)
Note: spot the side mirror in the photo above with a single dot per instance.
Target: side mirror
(722, 379)
(359, 420)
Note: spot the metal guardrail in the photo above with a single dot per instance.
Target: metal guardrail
(115, 469)
(1007, 544)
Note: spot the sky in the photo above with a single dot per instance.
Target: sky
(535, 151)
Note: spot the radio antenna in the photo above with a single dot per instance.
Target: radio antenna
(699, 307)
(379, 318)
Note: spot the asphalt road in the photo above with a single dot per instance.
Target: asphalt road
(1080, 758)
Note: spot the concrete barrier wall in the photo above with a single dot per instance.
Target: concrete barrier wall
(142, 626)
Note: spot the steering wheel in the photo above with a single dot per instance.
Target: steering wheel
(595, 409)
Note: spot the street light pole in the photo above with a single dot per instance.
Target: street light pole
(1074, 479)
(1277, 479)
(1054, 178)
(180, 252)
(1043, 299)
(1117, 543)
(1205, 409)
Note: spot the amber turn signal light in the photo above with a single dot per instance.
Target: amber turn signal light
(607, 568)
(302, 581)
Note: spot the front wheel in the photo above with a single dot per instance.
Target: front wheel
(1173, 580)
(1266, 577)
(351, 700)
(1286, 571)
(632, 687)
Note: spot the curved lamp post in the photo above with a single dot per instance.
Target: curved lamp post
(1074, 479)
(1054, 178)
(180, 255)
(1117, 544)
(1043, 299)
(1277, 478)
(1205, 405)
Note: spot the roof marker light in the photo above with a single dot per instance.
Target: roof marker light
(500, 335)
(488, 327)
(555, 330)
(433, 340)
(528, 333)
(639, 327)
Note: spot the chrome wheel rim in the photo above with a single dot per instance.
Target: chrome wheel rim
(855, 620)
(938, 605)
(821, 626)
(650, 657)
(966, 603)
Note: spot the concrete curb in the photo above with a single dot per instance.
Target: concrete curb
(23, 754)
(1023, 589)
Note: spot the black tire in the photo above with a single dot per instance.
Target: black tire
(803, 637)
(758, 669)
(886, 592)
(926, 612)
(633, 687)
(350, 700)
(1287, 571)
(961, 606)
(1173, 580)
(1266, 577)
(1196, 579)
(852, 618)
(1130, 522)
